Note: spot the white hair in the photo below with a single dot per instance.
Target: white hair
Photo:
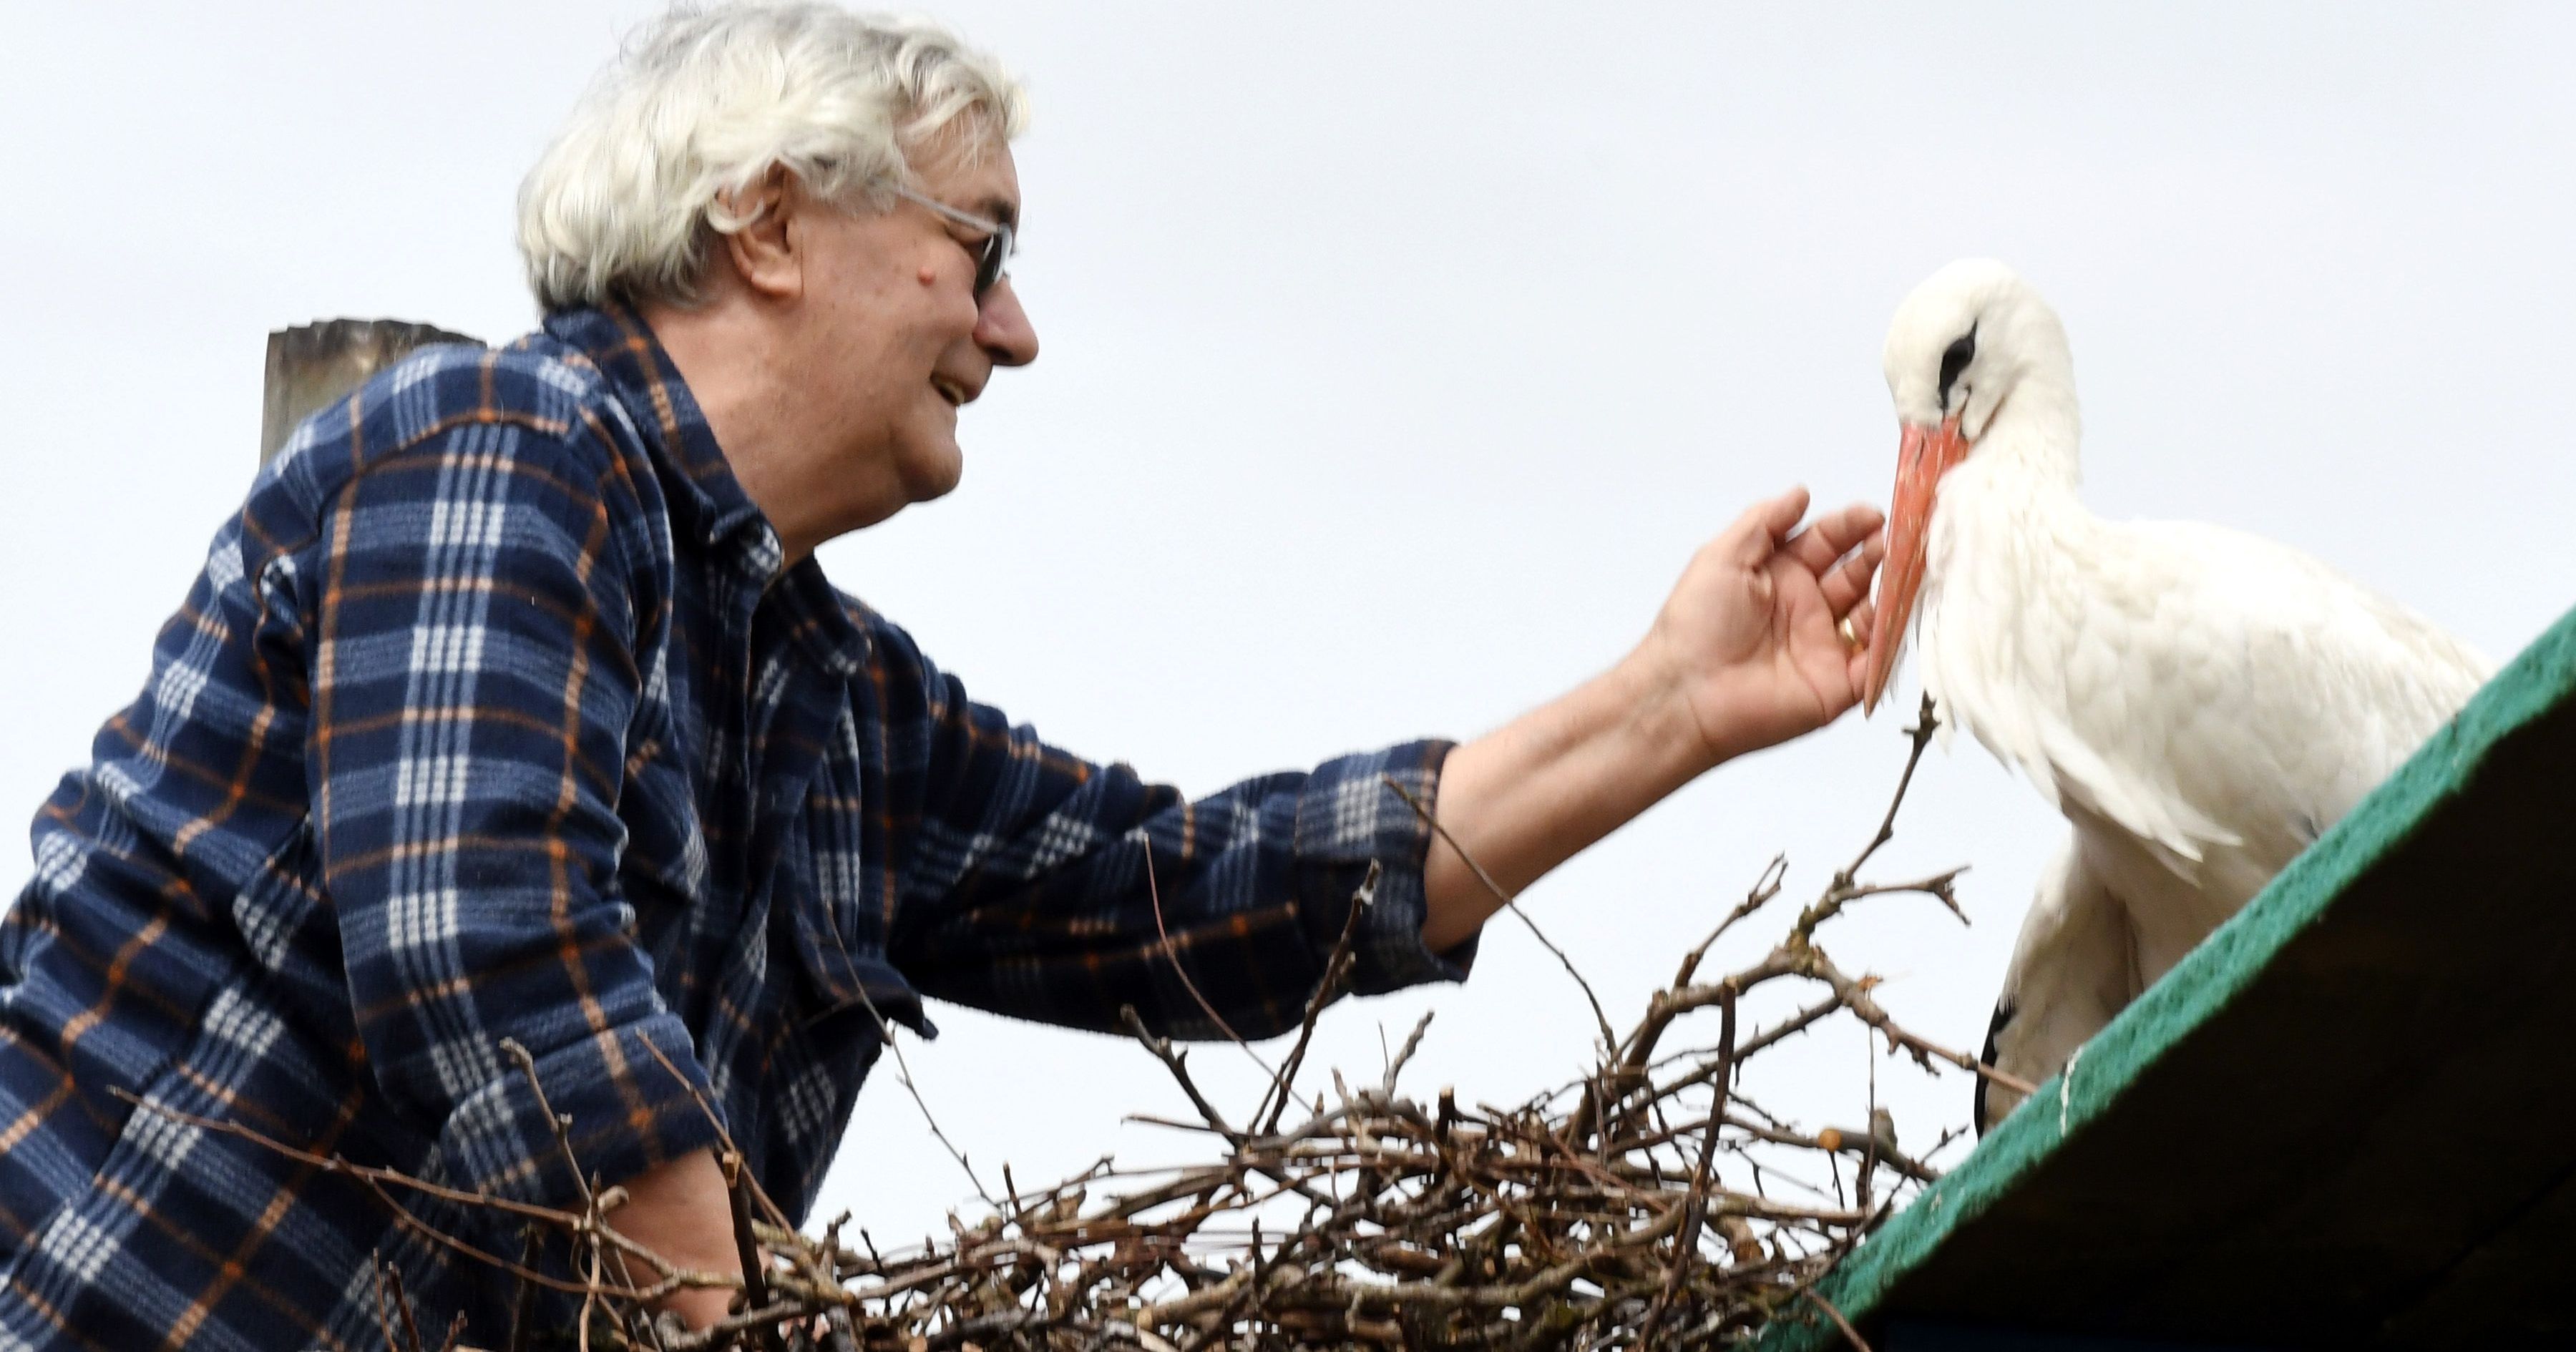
(703, 102)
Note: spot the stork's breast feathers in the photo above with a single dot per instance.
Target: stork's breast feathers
(2071, 694)
(2199, 688)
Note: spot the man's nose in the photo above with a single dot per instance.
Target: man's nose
(1002, 328)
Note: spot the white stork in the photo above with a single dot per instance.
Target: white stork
(2199, 703)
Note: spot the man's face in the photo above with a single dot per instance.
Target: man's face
(897, 341)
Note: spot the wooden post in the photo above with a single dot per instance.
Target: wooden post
(315, 364)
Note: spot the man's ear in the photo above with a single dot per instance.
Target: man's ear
(763, 249)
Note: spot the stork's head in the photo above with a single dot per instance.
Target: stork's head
(1960, 346)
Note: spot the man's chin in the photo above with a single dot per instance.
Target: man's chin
(933, 474)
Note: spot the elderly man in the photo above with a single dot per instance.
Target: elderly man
(513, 706)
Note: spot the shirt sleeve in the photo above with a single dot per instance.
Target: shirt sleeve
(1032, 881)
(472, 678)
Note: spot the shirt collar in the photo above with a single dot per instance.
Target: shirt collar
(704, 492)
(699, 482)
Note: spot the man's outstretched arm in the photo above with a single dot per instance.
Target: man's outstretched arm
(1745, 654)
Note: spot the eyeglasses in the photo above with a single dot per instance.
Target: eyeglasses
(991, 256)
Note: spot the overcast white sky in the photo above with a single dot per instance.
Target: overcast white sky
(1396, 358)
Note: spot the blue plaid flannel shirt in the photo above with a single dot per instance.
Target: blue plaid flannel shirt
(494, 714)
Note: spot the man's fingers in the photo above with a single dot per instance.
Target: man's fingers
(1756, 535)
(1862, 617)
(1846, 585)
(1848, 527)
(1833, 535)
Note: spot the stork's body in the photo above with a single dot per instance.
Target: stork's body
(2198, 702)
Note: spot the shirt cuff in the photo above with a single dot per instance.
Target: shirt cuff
(629, 1113)
(1347, 818)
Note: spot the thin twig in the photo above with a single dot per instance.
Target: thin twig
(1172, 954)
(379, 1180)
(1508, 902)
(1403, 1054)
(755, 1278)
(1337, 966)
(1925, 724)
(1858, 1342)
(1696, 1207)
(1763, 890)
(724, 1138)
(386, 1302)
(560, 1125)
(1176, 1062)
(903, 1073)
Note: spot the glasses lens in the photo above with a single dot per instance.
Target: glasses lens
(988, 267)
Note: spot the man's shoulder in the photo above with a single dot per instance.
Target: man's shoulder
(885, 639)
(538, 401)
(536, 384)
(892, 653)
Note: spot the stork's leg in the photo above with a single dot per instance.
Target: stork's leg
(2072, 970)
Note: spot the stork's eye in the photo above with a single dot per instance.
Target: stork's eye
(1962, 351)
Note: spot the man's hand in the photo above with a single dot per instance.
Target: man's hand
(680, 1210)
(1749, 644)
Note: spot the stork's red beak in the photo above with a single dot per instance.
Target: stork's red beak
(1921, 459)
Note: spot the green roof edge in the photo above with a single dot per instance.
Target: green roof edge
(2204, 983)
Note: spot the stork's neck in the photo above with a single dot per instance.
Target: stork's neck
(2013, 498)
(2010, 539)
(2032, 439)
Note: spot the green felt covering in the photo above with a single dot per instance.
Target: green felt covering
(2347, 1119)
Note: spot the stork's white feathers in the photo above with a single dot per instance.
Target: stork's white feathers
(2073, 968)
(2199, 703)
(2202, 689)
